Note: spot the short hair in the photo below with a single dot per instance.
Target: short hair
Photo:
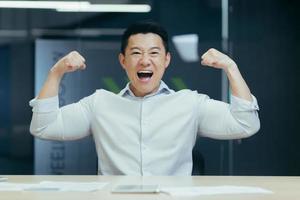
(144, 27)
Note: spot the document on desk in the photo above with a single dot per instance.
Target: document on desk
(213, 190)
(3, 179)
(73, 186)
(4, 186)
(54, 186)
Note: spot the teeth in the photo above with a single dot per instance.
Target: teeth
(145, 71)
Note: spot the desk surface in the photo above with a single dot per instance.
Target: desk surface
(284, 188)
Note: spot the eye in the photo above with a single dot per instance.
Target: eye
(154, 53)
(135, 53)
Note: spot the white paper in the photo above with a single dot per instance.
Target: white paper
(3, 179)
(14, 186)
(213, 190)
(54, 186)
(74, 186)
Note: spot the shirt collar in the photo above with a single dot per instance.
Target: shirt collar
(163, 89)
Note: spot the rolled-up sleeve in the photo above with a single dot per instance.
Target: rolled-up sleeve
(66, 123)
(220, 120)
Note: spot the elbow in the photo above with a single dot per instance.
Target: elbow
(256, 127)
(32, 129)
(252, 129)
(36, 131)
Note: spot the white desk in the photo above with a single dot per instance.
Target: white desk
(284, 188)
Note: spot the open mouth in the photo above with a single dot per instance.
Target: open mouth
(144, 75)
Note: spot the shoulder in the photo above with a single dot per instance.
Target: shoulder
(98, 94)
(188, 96)
(103, 92)
(107, 96)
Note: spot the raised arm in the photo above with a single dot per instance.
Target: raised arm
(220, 120)
(66, 123)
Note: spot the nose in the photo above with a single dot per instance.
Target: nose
(145, 60)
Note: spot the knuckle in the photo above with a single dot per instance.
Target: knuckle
(214, 52)
(211, 50)
(73, 53)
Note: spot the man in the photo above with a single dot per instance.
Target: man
(146, 129)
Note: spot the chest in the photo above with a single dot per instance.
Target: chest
(157, 119)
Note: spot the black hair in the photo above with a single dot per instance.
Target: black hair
(144, 27)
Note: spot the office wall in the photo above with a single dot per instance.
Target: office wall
(264, 40)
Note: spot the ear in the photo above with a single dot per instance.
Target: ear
(122, 60)
(167, 60)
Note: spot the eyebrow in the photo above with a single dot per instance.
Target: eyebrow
(134, 48)
(152, 48)
(155, 48)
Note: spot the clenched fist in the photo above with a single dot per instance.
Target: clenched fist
(215, 58)
(70, 63)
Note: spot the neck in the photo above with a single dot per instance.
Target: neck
(141, 93)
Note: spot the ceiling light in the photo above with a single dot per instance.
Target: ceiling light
(109, 8)
(44, 4)
(76, 6)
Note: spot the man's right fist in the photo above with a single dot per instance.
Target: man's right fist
(70, 63)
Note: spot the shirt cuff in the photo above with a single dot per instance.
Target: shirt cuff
(240, 104)
(44, 105)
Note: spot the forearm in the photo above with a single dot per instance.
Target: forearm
(238, 85)
(51, 85)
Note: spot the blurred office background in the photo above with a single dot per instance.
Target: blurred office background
(262, 36)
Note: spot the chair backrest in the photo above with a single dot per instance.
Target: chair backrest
(198, 163)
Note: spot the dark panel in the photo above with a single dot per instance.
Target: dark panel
(265, 40)
(5, 112)
(17, 78)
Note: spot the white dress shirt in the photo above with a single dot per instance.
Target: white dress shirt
(151, 135)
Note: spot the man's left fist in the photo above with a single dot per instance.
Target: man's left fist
(215, 58)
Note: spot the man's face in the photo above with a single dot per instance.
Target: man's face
(145, 61)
